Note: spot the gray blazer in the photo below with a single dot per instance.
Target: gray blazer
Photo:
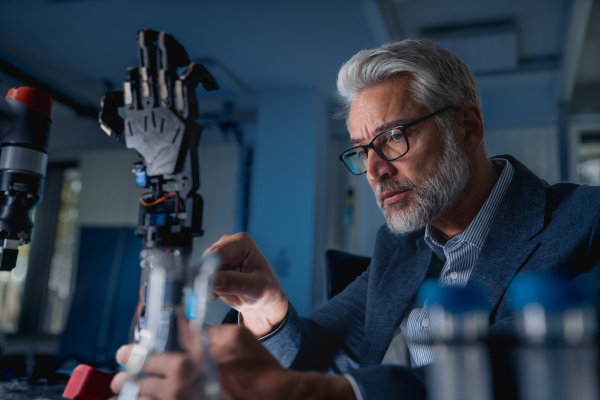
(537, 228)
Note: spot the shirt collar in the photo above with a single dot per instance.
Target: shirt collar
(478, 229)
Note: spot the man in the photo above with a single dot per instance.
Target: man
(452, 214)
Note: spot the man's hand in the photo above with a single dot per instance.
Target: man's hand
(253, 289)
(246, 368)
(248, 371)
(177, 376)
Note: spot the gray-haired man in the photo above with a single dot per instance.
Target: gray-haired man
(416, 130)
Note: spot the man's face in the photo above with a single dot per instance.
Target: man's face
(418, 187)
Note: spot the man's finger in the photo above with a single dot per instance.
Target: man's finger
(153, 387)
(211, 249)
(162, 389)
(235, 283)
(189, 335)
(175, 377)
(123, 354)
(117, 382)
(170, 363)
(231, 253)
(235, 250)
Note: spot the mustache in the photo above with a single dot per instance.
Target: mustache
(389, 184)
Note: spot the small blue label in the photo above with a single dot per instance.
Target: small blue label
(143, 322)
(158, 219)
(141, 178)
(192, 306)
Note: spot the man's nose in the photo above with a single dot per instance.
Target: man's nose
(377, 167)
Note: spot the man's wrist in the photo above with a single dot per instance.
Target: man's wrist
(265, 320)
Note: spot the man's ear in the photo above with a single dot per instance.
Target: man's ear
(471, 123)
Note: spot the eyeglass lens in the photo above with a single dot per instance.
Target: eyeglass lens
(391, 144)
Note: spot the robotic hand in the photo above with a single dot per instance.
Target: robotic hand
(24, 126)
(161, 110)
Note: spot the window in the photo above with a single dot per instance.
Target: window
(60, 281)
(11, 292)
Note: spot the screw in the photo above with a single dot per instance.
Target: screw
(143, 263)
(143, 253)
(176, 253)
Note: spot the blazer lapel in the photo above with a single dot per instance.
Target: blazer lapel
(501, 257)
(511, 241)
(388, 305)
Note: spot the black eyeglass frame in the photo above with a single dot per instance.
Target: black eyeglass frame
(402, 129)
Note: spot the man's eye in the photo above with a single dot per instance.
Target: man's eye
(396, 134)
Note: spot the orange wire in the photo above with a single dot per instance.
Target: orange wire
(160, 200)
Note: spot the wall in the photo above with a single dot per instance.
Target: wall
(535, 146)
(288, 196)
(520, 118)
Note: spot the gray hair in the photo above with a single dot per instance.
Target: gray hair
(437, 77)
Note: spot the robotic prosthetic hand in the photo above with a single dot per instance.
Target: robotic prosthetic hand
(161, 109)
(24, 126)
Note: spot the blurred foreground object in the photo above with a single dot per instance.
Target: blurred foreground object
(25, 116)
(88, 383)
(556, 322)
(459, 327)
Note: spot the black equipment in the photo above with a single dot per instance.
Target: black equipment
(25, 116)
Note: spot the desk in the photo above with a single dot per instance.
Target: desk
(16, 390)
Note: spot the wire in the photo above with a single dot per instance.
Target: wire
(160, 200)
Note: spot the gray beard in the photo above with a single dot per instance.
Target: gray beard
(432, 197)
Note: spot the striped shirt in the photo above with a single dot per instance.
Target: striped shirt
(453, 264)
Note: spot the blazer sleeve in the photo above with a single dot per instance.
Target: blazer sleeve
(329, 340)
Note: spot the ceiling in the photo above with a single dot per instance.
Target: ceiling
(267, 45)
(541, 24)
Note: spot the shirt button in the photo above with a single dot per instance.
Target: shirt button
(425, 323)
(453, 275)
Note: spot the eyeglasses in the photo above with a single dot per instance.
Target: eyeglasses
(390, 145)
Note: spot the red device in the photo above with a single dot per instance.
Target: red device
(88, 383)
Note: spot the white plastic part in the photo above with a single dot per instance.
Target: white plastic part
(203, 287)
(142, 350)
